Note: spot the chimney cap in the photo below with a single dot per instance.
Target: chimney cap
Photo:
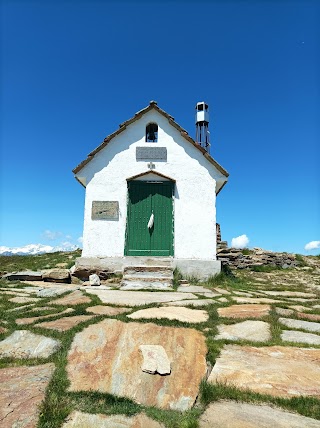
(202, 105)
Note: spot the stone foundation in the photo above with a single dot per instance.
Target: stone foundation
(108, 266)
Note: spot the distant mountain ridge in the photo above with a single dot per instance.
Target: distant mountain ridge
(34, 249)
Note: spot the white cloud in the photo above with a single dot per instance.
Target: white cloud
(51, 235)
(313, 245)
(66, 246)
(240, 241)
(80, 239)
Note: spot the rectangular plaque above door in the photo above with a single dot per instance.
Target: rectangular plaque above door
(151, 154)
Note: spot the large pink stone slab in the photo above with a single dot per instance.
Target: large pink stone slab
(172, 313)
(275, 370)
(244, 311)
(22, 390)
(63, 324)
(74, 298)
(26, 321)
(107, 310)
(106, 357)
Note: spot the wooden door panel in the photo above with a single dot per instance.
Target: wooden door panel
(143, 200)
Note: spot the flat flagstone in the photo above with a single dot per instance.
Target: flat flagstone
(63, 324)
(23, 299)
(312, 317)
(172, 313)
(315, 307)
(233, 414)
(31, 290)
(24, 344)
(197, 289)
(43, 284)
(42, 308)
(222, 300)
(18, 290)
(139, 298)
(105, 357)
(24, 275)
(299, 324)
(300, 337)
(284, 312)
(85, 420)
(289, 293)
(255, 300)
(52, 292)
(20, 308)
(257, 331)
(198, 302)
(300, 308)
(14, 293)
(276, 370)
(221, 290)
(242, 293)
(300, 299)
(107, 310)
(74, 298)
(26, 321)
(244, 311)
(22, 389)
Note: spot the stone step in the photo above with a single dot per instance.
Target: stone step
(148, 272)
(144, 284)
(147, 278)
(148, 261)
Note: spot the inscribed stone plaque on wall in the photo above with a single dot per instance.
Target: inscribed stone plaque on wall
(151, 154)
(105, 210)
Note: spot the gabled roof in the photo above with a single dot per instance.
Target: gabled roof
(151, 173)
(138, 115)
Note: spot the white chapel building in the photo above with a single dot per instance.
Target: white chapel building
(151, 194)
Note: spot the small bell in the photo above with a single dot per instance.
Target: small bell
(151, 136)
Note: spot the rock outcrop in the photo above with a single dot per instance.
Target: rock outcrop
(56, 275)
(245, 259)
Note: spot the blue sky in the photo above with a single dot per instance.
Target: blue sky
(73, 70)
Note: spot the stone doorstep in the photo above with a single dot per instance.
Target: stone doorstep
(147, 278)
(141, 269)
(146, 285)
(148, 261)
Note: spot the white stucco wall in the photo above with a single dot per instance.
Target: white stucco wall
(194, 200)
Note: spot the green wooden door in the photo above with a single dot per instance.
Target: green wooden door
(145, 199)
